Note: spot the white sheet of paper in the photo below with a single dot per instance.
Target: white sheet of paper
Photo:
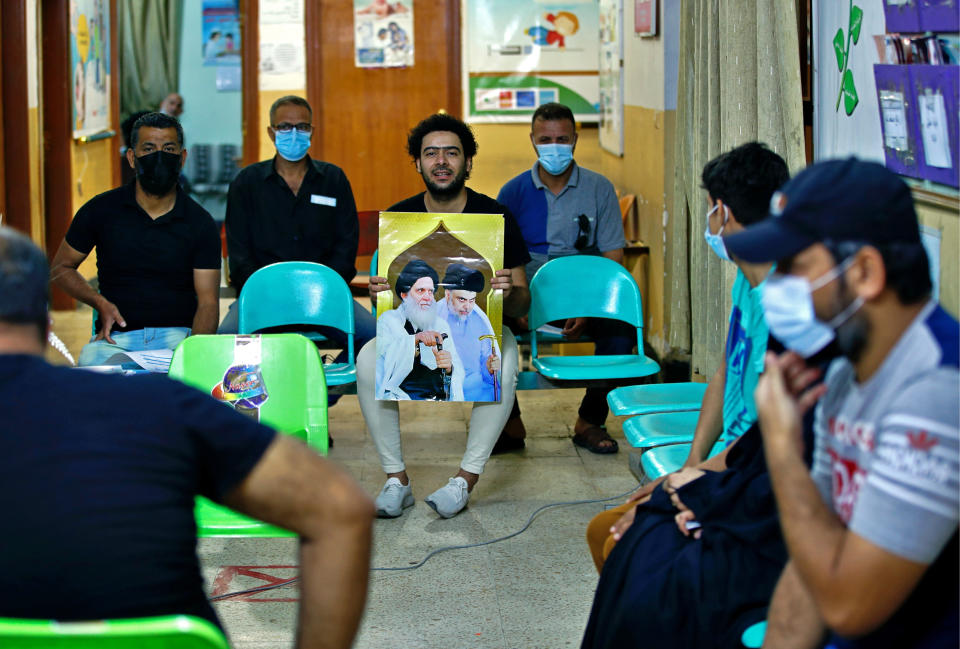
(155, 360)
(894, 120)
(933, 129)
(931, 238)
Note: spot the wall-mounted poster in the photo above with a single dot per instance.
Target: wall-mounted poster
(611, 76)
(645, 17)
(383, 33)
(221, 33)
(282, 45)
(90, 66)
(519, 54)
(439, 327)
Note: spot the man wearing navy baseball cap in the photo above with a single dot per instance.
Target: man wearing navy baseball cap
(880, 504)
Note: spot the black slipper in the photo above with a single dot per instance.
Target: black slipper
(591, 439)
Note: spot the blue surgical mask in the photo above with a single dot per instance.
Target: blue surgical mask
(715, 241)
(555, 158)
(788, 309)
(292, 145)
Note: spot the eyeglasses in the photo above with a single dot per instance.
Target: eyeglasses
(286, 127)
(581, 241)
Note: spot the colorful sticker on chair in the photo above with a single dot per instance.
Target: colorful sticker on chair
(242, 386)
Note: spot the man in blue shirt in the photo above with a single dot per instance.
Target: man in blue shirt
(739, 185)
(564, 209)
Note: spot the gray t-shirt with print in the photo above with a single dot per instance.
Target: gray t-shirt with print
(887, 452)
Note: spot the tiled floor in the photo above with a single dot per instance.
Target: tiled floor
(529, 592)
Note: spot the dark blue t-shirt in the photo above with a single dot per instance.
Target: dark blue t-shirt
(98, 475)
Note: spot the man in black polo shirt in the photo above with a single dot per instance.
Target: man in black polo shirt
(98, 518)
(158, 253)
(293, 208)
(442, 148)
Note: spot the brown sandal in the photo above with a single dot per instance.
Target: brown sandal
(592, 439)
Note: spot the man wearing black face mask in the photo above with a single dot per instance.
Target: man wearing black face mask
(158, 253)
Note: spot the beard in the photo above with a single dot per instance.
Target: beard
(421, 319)
(448, 192)
(852, 335)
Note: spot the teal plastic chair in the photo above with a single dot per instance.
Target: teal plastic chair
(593, 287)
(752, 637)
(653, 398)
(296, 404)
(166, 632)
(373, 273)
(300, 293)
(660, 461)
(648, 431)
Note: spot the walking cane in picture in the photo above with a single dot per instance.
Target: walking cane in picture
(443, 372)
(496, 383)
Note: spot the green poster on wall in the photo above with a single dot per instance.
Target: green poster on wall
(519, 54)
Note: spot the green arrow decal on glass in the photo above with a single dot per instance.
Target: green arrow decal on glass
(850, 98)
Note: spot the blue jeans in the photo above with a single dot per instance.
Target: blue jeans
(98, 352)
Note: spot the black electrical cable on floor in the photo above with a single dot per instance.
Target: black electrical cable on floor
(446, 548)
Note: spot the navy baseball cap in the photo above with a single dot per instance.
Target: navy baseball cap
(835, 200)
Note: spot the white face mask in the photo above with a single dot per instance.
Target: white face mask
(715, 241)
(788, 309)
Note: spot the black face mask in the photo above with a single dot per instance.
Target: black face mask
(157, 172)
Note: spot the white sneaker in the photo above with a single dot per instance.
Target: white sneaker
(449, 499)
(393, 499)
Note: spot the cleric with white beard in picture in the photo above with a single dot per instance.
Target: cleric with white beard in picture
(416, 355)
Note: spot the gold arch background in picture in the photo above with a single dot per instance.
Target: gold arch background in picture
(473, 240)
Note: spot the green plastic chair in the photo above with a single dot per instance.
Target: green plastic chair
(653, 398)
(165, 632)
(300, 293)
(648, 431)
(593, 287)
(660, 461)
(296, 404)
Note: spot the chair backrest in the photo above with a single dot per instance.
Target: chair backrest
(291, 371)
(296, 293)
(228, 163)
(165, 632)
(201, 163)
(584, 286)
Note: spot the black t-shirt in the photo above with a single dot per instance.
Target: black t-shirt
(267, 223)
(99, 475)
(145, 266)
(514, 248)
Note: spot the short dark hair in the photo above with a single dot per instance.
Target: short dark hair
(24, 281)
(155, 120)
(905, 263)
(441, 122)
(551, 111)
(286, 101)
(745, 178)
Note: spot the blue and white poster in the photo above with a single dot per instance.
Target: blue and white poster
(221, 33)
(90, 66)
(523, 53)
